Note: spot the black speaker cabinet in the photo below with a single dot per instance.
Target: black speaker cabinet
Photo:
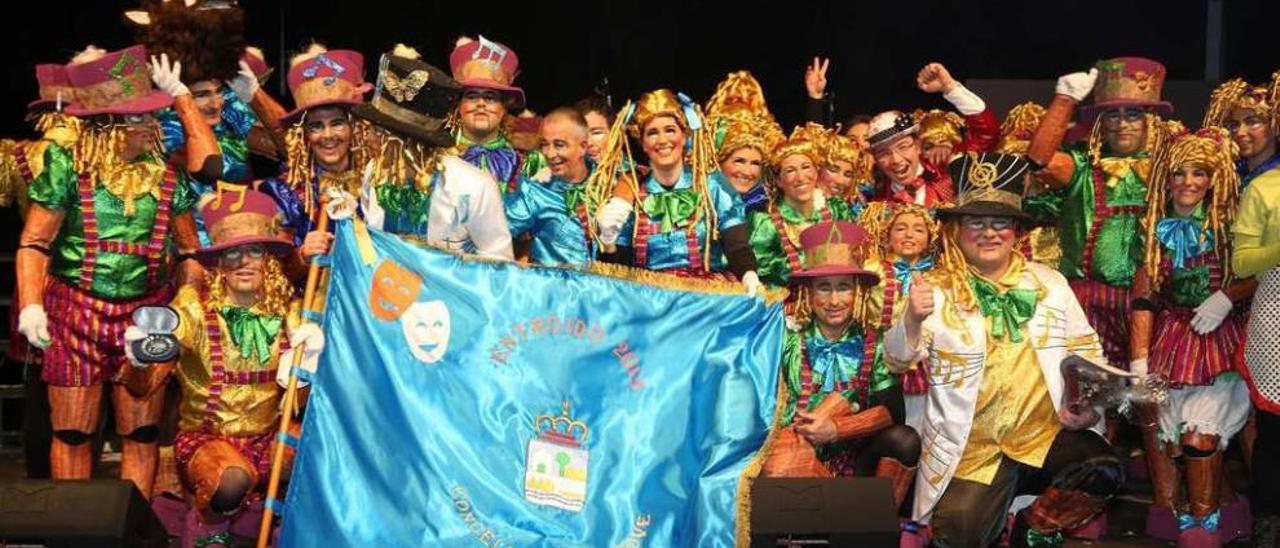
(823, 512)
(77, 513)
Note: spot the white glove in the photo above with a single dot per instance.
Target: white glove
(751, 282)
(167, 76)
(131, 334)
(1211, 312)
(245, 84)
(310, 335)
(610, 219)
(1138, 367)
(1077, 85)
(33, 323)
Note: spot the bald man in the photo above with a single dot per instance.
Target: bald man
(554, 211)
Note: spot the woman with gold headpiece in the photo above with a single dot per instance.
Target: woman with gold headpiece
(1188, 319)
(744, 133)
(798, 204)
(846, 171)
(683, 217)
(1252, 115)
(905, 247)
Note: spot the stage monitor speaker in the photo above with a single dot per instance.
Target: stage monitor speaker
(77, 513)
(823, 512)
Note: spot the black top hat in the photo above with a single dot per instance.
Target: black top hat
(412, 99)
(988, 184)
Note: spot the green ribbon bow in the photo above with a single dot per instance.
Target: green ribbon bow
(404, 200)
(1008, 311)
(675, 207)
(572, 195)
(252, 333)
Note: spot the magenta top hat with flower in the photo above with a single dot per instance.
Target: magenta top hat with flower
(834, 249)
(487, 65)
(116, 83)
(326, 78)
(239, 216)
(1127, 82)
(54, 87)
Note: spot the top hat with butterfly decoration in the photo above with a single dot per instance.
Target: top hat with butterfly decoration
(412, 99)
(989, 184)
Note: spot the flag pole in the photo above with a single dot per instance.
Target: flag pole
(290, 399)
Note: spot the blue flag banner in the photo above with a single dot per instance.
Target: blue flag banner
(463, 403)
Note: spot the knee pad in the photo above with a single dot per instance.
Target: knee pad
(72, 437)
(1195, 444)
(144, 434)
(903, 444)
(233, 487)
(1100, 476)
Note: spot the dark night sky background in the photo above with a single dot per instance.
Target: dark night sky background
(566, 48)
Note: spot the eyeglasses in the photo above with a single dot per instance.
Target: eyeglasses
(486, 95)
(237, 254)
(978, 224)
(1113, 118)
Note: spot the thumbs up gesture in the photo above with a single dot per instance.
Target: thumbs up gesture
(919, 300)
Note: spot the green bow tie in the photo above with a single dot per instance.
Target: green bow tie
(572, 195)
(1008, 311)
(251, 333)
(674, 207)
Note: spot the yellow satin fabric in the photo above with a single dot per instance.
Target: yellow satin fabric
(1014, 416)
(245, 409)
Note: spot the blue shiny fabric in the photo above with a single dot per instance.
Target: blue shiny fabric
(833, 360)
(1248, 175)
(540, 209)
(292, 206)
(756, 199)
(232, 134)
(1182, 237)
(670, 250)
(678, 390)
(902, 270)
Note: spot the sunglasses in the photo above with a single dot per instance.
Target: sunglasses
(240, 253)
(978, 224)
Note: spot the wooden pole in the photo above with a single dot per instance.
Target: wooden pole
(290, 399)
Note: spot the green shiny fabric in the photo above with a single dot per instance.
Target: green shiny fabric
(404, 201)
(671, 209)
(251, 333)
(1190, 286)
(766, 243)
(1118, 250)
(1009, 311)
(574, 194)
(116, 276)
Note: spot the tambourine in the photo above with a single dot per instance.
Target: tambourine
(159, 323)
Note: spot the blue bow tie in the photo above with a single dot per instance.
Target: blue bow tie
(756, 198)
(902, 270)
(501, 162)
(1183, 237)
(824, 358)
(1209, 523)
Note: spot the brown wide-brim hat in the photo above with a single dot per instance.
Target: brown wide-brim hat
(240, 216)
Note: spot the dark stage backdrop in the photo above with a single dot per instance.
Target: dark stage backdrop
(567, 49)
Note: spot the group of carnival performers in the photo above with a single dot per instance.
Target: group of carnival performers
(941, 265)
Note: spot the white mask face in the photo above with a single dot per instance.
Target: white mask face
(426, 328)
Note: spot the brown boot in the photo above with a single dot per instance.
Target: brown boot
(901, 477)
(1163, 472)
(1058, 509)
(138, 464)
(1204, 484)
(68, 461)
